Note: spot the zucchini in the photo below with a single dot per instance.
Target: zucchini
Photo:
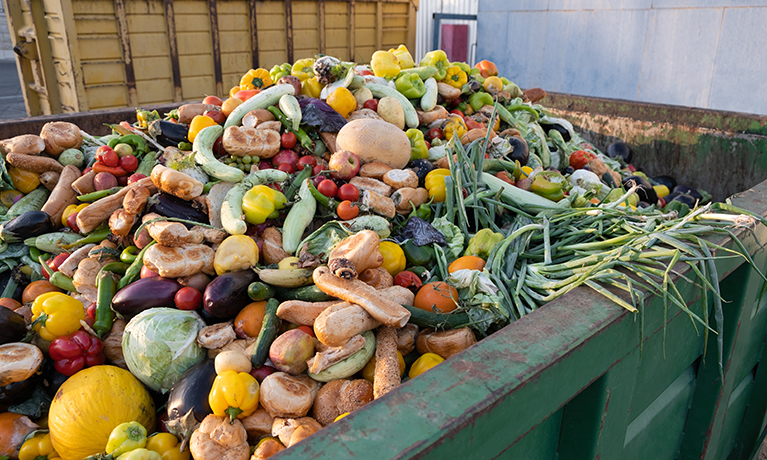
(299, 217)
(425, 72)
(423, 318)
(291, 109)
(232, 218)
(261, 100)
(429, 99)
(258, 291)
(309, 293)
(32, 201)
(53, 242)
(203, 155)
(350, 365)
(269, 328)
(356, 83)
(379, 91)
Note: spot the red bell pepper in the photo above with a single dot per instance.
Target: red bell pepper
(116, 171)
(580, 158)
(73, 352)
(408, 280)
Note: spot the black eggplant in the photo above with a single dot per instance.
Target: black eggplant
(557, 127)
(519, 150)
(144, 294)
(620, 150)
(52, 379)
(210, 319)
(28, 225)
(421, 168)
(170, 206)
(167, 133)
(227, 294)
(682, 198)
(645, 192)
(668, 181)
(687, 190)
(12, 326)
(188, 399)
(16, 392)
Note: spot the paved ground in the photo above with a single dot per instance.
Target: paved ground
(11, 99)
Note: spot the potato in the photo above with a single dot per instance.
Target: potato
(362, 95)
(232, 360)
(375, 140)
(391, 110)
(104, 181)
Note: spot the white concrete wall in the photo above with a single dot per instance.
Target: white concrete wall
(701, 53)
(6, 46)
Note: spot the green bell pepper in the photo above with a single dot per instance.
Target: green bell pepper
(280, 71)
(125, 438)
(418, 255)
(134, 140)
(479, 100)
(464, 66)
(418, 150)
(482, 243)
(437, 59)
(681, 208)
(549, 184)
(410, 85)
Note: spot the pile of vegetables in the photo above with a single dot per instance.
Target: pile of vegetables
(226, 280)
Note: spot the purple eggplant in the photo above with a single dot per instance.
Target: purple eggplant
(144, 294)
(12, 326)
(227, 294)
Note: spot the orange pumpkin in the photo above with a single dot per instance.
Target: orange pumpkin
(90, 404)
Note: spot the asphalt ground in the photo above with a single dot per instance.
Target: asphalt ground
(11, 99)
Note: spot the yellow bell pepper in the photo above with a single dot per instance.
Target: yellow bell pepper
(455, 127)
(425, 362)
(437, 59)
(233, 91)
(199, 123)
(234, 394)
(255, 79)
(302, 69)
(311, 87)
(168, 446)
(23, 180)
(404, 58)
(385, 64)
(140, 454)
(435, 184)
(235, 253)
(38, 447)
(393, 257)
(455, 77)
(260, 202)
(71, 209)
(343, 101)
(126, 437)
(55, 314)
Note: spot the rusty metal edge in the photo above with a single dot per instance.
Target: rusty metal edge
(130, 76)
(170, 20)
(216, 42)
(253, 17)
(352, 30)
(289, 28)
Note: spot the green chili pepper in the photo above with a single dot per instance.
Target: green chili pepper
(300, 177)
(146, 165)
(113, 142)
(208, 185)
(34, 253)
(62, 281)
(96, 236)
(94, 196)
(479, 100)
(107, 288)
(133, 272)
(118, 268)
(137, 143)
(303, 138)
(322, 199)
(524, 107)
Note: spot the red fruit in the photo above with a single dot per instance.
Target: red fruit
(317, 180)
(285, 157)
(135, 178)
(264, 165)
(306, 329)
(306, 160)
(348, 192)
(318, 169)
(366, 72)
(434, 133)
(260, 373)
(288, 140)
(188, 298)
(72, 222)
(286, 168)
(107, 156)
(214, 100)
(129, 163)
(371, 104)
(218, 147)
(216, 116)
(147, 273)
(328, 188)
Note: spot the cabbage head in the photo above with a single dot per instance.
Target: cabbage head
(159, 344)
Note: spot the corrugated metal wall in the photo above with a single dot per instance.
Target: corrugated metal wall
(425, 30)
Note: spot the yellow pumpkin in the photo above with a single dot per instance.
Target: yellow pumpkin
(90, 404)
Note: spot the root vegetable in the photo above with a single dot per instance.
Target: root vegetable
(387, 375)
(219, 439)
(113, 344)
(28, 144)
(390, 110)
(62, 196)
(176, 183)
(188, 111)
(36, 164)
(445, 343)
(59, 136)
(377, 305)
(284, 395)
(447, 91)
(355, 254)
(232, 360)
(104, 181)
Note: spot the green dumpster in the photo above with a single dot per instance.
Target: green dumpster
(571, 381)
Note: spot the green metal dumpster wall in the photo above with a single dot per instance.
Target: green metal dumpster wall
(570, 381)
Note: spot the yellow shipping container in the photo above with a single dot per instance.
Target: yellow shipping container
(78, 55)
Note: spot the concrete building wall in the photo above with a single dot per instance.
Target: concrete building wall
(701, 53)
(6, 46)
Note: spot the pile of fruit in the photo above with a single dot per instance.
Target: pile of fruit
(226, 280)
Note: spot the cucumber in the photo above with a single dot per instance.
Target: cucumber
(425, 72)
(261, 100)
(203, 155)
(259, 291)
(423, 318)
(379, 91)
(290, 107)
(266, 336)
(306, 293)
(429, 99)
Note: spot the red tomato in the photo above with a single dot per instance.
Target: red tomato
(135, 178)
(246, 94)
(216, 116)
(72, 222)
(472, 124)
(129, 163)
(366, 72)
(287, 168)
(288, 140)
(306, 329)
(188, 298)
(91, 310)
(408, 280)
(346, 210)
(328, 188)
(348, 192)
(318, 169)
(434, 133)
(457, 112)
(581, 158)
(214, 100)
(371, 104)
(306, 160)
(107, 156)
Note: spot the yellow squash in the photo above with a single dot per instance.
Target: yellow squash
(90, 404)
